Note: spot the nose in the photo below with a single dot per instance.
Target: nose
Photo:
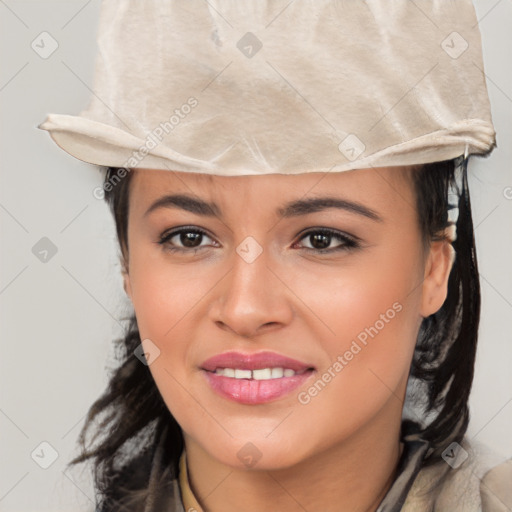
(252, 298)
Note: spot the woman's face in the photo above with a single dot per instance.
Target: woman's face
(255, 274)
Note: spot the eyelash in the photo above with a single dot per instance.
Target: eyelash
(349, 242)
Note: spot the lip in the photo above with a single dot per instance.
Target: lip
(250, 391)
(253, 361)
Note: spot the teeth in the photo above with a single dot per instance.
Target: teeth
(242, 374)
(277, 373)
(259, 374)
(264, 374)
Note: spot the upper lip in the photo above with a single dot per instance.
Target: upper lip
(253, 361)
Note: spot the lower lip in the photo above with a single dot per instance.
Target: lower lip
(250, 391)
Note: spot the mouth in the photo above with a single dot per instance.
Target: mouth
(259, 373)
(255, 378)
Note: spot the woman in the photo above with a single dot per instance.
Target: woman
(291, 254)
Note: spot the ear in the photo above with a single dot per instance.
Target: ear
(435, 281)
(126, 279)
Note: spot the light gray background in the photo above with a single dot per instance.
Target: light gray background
(58, 318)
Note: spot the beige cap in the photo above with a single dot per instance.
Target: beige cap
(233, 87)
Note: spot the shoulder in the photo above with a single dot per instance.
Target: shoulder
(466, 480)
(496, 488)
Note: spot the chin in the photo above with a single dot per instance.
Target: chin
(255, 452)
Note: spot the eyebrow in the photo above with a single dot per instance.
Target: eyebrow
(185, 202)
(291, 209)
(316, 204)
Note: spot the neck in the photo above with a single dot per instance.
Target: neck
(354, 475)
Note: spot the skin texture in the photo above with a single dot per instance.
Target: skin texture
(340, 449)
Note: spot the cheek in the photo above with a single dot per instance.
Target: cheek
(166, 299)
(378, 288)
(369, 318)
(163, 294)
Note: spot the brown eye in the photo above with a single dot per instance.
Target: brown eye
(183, 239)
(189, 239)
(321, 239)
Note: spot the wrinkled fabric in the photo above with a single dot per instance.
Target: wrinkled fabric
(474, 486)
(476, 479)
(256, 87)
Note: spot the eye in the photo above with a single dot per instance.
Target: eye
(189, 238)
(183, 239)
(320, 239)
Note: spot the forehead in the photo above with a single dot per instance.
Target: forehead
(150, 180)
(377, 186)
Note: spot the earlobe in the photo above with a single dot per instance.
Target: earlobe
(126, 285)
(126, 280)
(437, 271)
